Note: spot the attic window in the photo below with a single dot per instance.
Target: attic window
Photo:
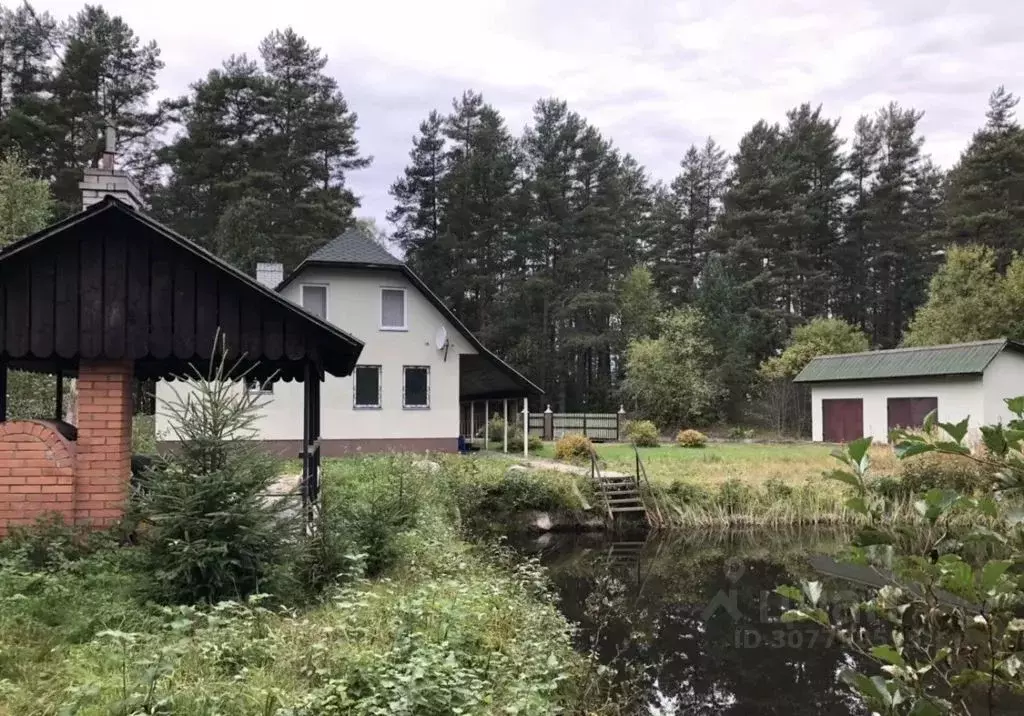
(392, 309)
(314, 300)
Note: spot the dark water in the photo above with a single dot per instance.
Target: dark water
(691, 624)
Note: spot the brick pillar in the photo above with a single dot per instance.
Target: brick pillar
(104, 448)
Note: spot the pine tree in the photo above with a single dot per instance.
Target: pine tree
(985, 196)
(685, 217)
(418, 215)
(480, 182)
(106, 74)
(259, 171)
(814, 169)
(857, 240)
(903, 207)
(752, 235)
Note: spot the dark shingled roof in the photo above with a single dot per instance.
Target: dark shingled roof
(354, 247)
(953, 359)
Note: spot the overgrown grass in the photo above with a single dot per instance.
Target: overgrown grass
(446, 627)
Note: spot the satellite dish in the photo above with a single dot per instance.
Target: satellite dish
(441, 341)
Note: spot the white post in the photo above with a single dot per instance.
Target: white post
(504, 407)
(472, 429)
(526, 428)
(487, 424)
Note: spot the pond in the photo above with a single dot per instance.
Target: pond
(690, 625)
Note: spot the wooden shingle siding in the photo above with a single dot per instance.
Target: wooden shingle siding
(111, 288)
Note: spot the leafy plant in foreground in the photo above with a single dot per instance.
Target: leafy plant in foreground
(951, 640)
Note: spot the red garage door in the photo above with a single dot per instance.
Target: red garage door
(909, 412)
(843, 419)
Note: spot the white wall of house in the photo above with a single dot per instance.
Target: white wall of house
(958, 398)
(354, 305)
(1004, 378)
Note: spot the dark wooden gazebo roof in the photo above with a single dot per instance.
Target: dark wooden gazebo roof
(111, 283)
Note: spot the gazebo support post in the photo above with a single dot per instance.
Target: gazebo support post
(3, 392)
(58, 411)
(311, 445)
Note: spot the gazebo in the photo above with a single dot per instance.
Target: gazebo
(108, 295)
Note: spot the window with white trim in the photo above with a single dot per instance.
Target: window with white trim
(314, 299)
(366, 386)
(392, 309)
(416, 386)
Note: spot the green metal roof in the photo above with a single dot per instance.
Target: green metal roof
(954, 359)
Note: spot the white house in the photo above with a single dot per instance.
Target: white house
(421, 373)
(871, 393)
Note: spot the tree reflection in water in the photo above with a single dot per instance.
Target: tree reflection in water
(692, 626)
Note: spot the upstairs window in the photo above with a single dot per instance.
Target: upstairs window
(314, 300)
(416, 387)
(392, 309)
(367, 386)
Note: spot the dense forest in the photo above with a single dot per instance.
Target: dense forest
(676, 296)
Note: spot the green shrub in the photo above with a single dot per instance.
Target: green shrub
(890, 488)
(687, 493)
(738, 432)
(211, 530)
(573, 446)
(776, 489)
(691, 439)
(365, 514)
(948, 472)
(734, 495)
(144, 434)
(643, 433)
(515, 441)
(50, 544)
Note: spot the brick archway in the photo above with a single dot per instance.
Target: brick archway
(37, 473)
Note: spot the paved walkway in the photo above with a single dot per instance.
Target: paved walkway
(544, 463)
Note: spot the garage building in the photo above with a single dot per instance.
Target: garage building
(872, 393)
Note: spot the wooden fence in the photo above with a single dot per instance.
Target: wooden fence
(599, 427)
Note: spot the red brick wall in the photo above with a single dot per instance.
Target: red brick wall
(104, 449)
(36, 473)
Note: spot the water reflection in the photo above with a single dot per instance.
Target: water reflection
(692, 625)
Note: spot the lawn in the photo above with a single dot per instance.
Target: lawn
(753, 463)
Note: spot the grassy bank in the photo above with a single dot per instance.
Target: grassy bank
(442, 626)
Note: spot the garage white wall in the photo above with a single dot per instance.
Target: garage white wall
(958, 398)
(1004, 378)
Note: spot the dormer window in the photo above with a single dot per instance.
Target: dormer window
(392, 309)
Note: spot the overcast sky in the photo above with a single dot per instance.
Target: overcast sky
(653, 75)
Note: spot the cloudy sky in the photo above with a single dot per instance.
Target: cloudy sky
(654, 75)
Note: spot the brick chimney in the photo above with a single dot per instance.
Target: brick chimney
(270, 275)
(105, 179)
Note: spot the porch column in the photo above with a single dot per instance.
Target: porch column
(472, 423)
(311, 445)
(58, 413)
(3, 392)
(487, 424)
(504, 407)
(526, 428)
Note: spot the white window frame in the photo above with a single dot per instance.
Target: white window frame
(327, 297)
(405, 403)
(405, 309)
(380, 388)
